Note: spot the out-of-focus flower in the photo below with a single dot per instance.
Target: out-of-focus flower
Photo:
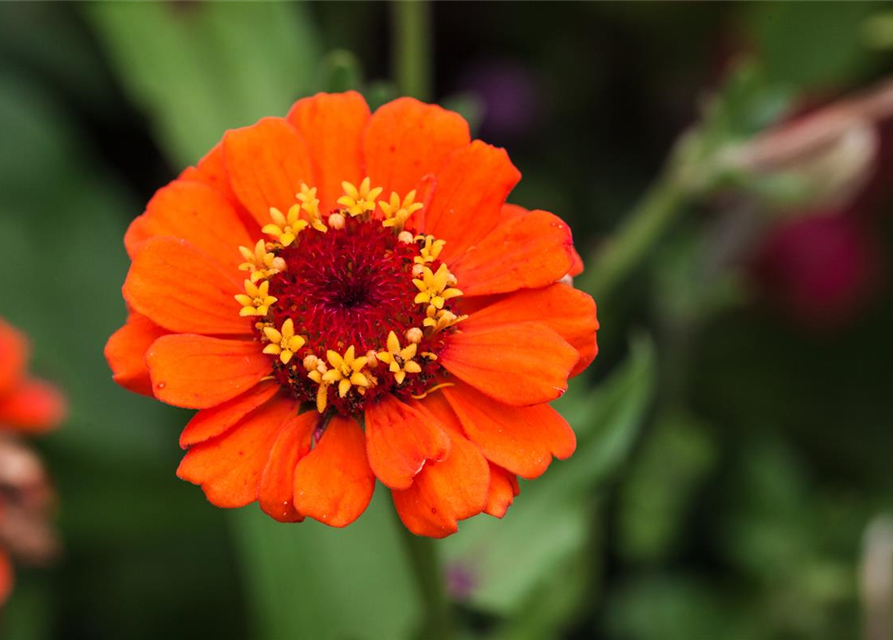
(444, 335)
(820, 270)
(510, 95)
(27, 406)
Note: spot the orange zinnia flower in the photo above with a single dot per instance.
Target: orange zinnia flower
(346, 296)
(27, 406)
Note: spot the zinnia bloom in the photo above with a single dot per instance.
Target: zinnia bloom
(27, 406)
(346, 296)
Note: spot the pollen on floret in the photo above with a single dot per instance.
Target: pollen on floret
(260, 263)
(285, 228)
(283, 342)
(430, 249)
(360, 200)
(256, 300)
(441, 319)
(434, 287)
(347, 371)
(400, 360)
(397, 212)
(310, 205)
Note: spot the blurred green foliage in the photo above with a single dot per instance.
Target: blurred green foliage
(728, 461)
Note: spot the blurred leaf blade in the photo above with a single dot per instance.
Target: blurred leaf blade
(200, 70)
(550, 520)
(313, 581)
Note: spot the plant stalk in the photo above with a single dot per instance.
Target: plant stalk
(412, 54)
(426, 567)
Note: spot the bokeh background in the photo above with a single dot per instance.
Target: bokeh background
(735, 434)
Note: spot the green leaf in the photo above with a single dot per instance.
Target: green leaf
(547, 527)
(313, 581)
(123, 514)
(380, 92)
(340, 71)
(198, 69)
(812, 45)
(660, 488)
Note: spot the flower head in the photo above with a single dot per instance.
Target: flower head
(27, 406)
(426, 361)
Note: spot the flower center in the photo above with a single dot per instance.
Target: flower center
(349, 306)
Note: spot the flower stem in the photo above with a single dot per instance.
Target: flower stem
(425, 563)
(635, 238)
(411, 62)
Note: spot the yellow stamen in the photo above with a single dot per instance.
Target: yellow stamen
(400, 361)
(283, 342)
(347, 371)
(260, 263)
(422, 396)
(441, 319)
(310, 204)
(285, 228)
(430, 250)
(434, 288)
(359, 201)
(316, 368)
(397, 213)
(256, 300)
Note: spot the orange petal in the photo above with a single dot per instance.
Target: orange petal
(229, 467)
(196, 213)
(210, 423)
(198, 372)
(565, 310)
(407, 140)
(32, 406)
(266, 163)
(525, 252)
(519, 364)
(576, 264)
(277, 484)
(468, 197)
(13, 356)
(510, 211)
(334, 483)
(7, 578)
(445, 492)
(180, 288)
(519, 439)
(126, 350)
(400, 439)
(332, 125)
(502, 491)
(211, 170)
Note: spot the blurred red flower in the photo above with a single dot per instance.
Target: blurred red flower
(820, 270)
(389, 290)
(27, 406)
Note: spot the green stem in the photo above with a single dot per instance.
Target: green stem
(412, 47)
(638, 234)
(425, 563)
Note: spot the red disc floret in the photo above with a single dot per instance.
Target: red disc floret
(351, 287)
